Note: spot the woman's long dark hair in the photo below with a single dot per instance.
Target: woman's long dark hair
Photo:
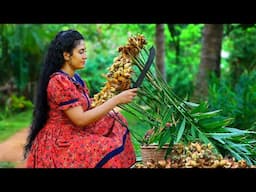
(65, 41)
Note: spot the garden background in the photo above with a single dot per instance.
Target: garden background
(200, 62)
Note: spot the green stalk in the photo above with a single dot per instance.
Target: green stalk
(136, 116)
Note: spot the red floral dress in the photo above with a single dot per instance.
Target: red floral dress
(61, 144)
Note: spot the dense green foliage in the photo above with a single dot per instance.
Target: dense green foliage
(238, 102)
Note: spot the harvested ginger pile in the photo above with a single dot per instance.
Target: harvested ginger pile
(195, 155)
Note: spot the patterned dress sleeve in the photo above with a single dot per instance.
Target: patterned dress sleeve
(63, 92)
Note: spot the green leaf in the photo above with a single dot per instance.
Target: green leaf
(167, 115)
(226, 135)
(240, 147)
(181, 131)
(193, 131)
(215, 122)
(191, 104)
(205, 115)
(219, 139)
(235, 130)
(201, 107)
(165, 137)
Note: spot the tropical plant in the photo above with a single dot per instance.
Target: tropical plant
(172, 120)
(241, 99)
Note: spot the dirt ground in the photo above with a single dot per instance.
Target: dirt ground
(11, 150)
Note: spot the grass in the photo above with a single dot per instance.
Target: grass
(11, 125)
(7, 165)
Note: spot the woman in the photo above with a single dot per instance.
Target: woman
(66, 132)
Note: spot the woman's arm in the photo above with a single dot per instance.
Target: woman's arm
(82, 118)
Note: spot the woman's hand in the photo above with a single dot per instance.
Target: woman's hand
(126, 96)
(82, 118)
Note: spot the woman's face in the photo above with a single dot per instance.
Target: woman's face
(77, 60)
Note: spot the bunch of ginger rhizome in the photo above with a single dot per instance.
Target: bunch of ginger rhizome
(193, 155)
(120, 72)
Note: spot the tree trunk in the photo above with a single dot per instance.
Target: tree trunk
(175, 34)
(210, 59)
(160, 49)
